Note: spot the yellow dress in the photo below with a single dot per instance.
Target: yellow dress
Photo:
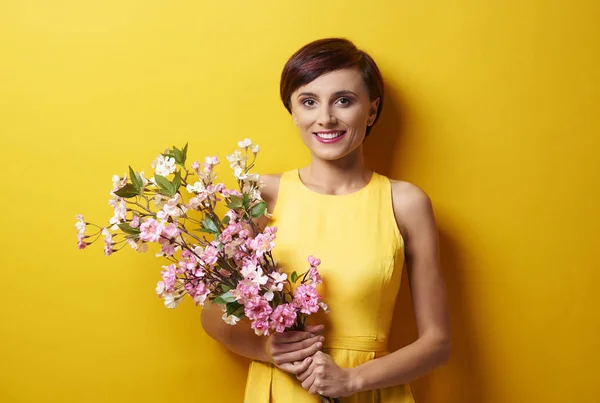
(362, 257)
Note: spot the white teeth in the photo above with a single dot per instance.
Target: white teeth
(329, 136)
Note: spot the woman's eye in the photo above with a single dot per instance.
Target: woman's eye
(344, 101)
(309, 102)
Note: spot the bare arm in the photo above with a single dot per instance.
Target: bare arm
(239, 338)
(413, 211)
(415, 214)
(288, 351)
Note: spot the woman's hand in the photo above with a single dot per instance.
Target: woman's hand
(324, 377)
(292, 351)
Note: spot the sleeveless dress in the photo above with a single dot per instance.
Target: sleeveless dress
(362, 256)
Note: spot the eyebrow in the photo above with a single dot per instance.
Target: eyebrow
(336, 94)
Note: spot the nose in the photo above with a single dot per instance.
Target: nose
(326, 118)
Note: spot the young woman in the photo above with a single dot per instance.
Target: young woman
(364, 227)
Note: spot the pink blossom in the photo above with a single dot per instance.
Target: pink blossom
(233, 216)
(81, 245)
(171, 231)
(261, 327)
(198, 292)
(230, 192)
(80, 225)
(270, 230)
(313, 261)
(307, 299)
(108, 240)
(173, 208)
(225, 273)
(196, 165)
(168, 248)
(196, 202)
(150, 230)
(244, 291)
(231, 249)
(253, 272)
(120, 210)
(135, 221)
(262, 243)
(257, 308)
(169, 276)
(283, 317)
(108, 250)
(210, 255)
(278, 281)
(189, 263)
(229, 232)
(314, 276)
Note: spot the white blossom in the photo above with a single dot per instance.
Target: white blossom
(245, 143)
(196, 188)
(171, 301)
(231, 319)
(164, 166)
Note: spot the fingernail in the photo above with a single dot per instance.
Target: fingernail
(321, 338)
(319, 344)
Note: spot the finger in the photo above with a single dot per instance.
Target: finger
(278, 349)
(316, 329)
(291, 337)
(305, 374)
(298, 355)
(316, 385)
(308, 382)
(296, 367)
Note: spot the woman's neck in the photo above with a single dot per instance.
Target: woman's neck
(338, 177)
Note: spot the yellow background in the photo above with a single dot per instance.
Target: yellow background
(492, 108)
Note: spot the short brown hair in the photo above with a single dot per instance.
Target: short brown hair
(324, 56)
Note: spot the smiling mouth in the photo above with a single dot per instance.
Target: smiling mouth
(330, 135)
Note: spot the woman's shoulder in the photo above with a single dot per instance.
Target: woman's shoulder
(269, 188)
(409, 201)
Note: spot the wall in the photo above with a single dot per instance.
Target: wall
(492, 109)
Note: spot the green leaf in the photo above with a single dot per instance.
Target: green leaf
(138, 177)
(184, 154)
(258, 210)
(127, 191)
(209, 224)
(128, 229)
(235, 202)
(225, 220)
(225, 287)
(134, 179)
(177, 155)
(294, 277)
(246, 201)
(164, 185)
(225, 298)
(176, 181)
(204, 229)
(235, 308)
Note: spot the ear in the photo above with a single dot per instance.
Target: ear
(295, 119)
(373, 112)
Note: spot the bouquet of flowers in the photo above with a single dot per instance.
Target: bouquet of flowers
(227, 259)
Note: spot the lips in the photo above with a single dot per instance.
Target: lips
(329, 136)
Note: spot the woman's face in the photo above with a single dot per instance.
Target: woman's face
(333, 112)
